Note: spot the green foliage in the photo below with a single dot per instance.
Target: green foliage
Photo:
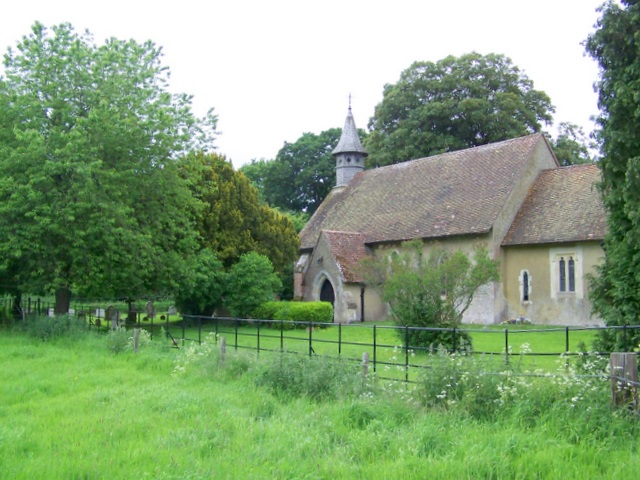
(250, 282)
(48, 328)
(455, 103)
(615, 46)
(117, 340)
(231, 220)
(301, 175)
(201, 292)
(90, 199)
(571, 146)
(291, 376)
(318, 312)
(431, 292)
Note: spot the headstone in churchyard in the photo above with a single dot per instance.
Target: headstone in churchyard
(113, 315)
(151, 310)
(172, 310)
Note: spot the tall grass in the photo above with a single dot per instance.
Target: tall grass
(72, 408)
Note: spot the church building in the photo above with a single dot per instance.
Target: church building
(542, 222)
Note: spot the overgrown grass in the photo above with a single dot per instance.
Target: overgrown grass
(71, 408)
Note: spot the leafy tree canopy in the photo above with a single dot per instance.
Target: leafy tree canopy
(455, 103)
(616, 46)
(90, 199)
(571, 146)
(302, 174)
(230, 219)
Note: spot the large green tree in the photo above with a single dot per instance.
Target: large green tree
(91, 202)
(571, 146)
(301, 175)
(455, 103)
(616, 46)
(231, 220)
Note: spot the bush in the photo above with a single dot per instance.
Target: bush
(317, 312)
(250, 282)
(48, 328)
(430, 291)
(288, 376)
(117, 340)
(434, 338)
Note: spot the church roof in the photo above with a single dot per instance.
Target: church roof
(349, 140)
(562, 206)
(347, 249)
(455, 193)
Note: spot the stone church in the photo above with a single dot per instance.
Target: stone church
(544, 223)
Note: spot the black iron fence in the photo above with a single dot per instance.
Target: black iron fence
(388, 348)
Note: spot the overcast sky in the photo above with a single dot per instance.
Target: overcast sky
(275, 69)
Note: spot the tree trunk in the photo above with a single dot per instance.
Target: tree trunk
(63, 301)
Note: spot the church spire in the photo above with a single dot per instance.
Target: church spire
(349, 153)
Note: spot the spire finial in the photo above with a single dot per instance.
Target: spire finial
(349, 101)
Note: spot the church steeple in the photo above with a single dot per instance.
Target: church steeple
(349, 153)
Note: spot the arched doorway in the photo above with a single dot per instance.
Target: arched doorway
(326, 292)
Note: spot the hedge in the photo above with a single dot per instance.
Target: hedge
(317, 312)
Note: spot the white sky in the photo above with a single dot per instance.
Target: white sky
(276, 69)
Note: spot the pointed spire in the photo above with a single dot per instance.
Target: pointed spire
(349, 153)
(349, 140)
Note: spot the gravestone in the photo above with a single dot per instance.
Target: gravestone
(112, 314)
(151, 310)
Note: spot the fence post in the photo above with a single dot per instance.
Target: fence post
(506, 345)
(199, 330)
(374, 349)
(236, 334)
(223, 348)
(406, 353)
(310, 338)
(282, 335)
(624, 379)
(258, 338)
(136, 338)
(340, 341)
(454, 340)
(365, 366)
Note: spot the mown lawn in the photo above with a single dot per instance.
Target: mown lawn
(74, 409)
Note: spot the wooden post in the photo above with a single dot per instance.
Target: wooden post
(136, 336)
(223, 348)
(624, 379)
(365, 366)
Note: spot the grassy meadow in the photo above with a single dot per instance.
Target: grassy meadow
(83, 405)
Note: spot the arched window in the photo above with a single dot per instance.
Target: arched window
(572, 275)
(525, 286)
(566, 273)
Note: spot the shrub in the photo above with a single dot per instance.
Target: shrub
(117, 340)
(430, 291)
(249, 283)
(48, 328)
(317, 378)
(317, 312)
